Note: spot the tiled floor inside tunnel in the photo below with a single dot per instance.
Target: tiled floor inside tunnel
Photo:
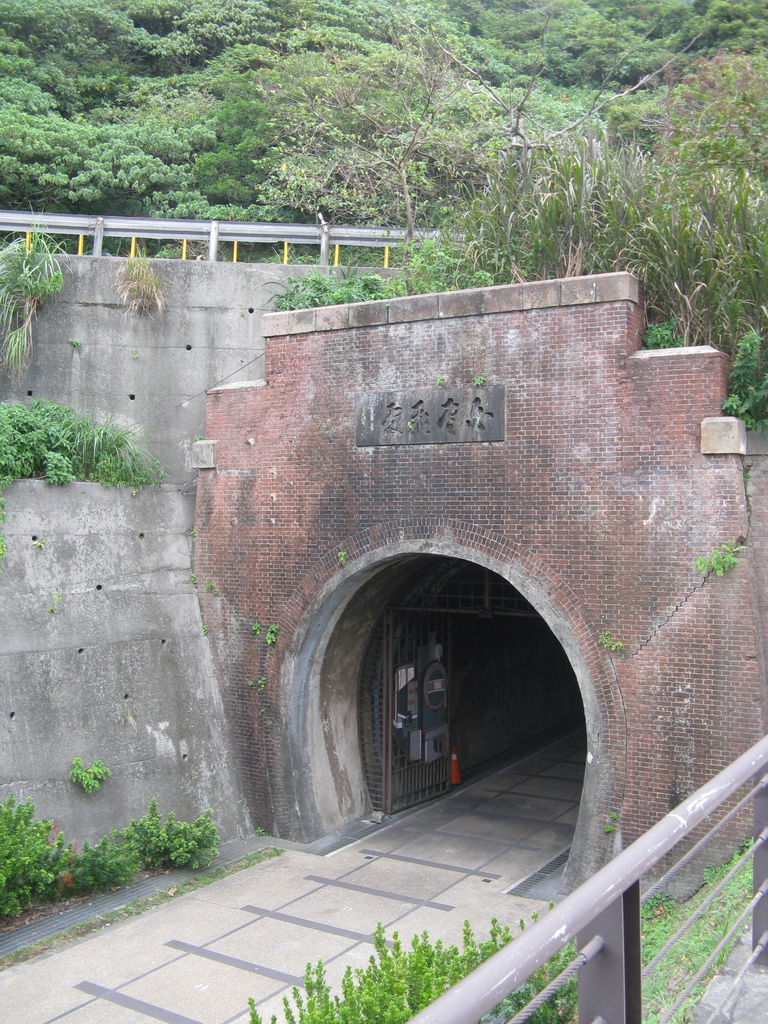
(197, 960)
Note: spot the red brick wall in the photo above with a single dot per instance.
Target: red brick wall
(599, 496)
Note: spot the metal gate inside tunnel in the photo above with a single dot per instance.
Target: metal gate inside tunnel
(458, 661)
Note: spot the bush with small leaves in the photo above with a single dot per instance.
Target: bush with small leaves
(171, 843)
(31, 857)
(101, 867)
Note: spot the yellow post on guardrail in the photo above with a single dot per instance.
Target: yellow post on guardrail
(183, 248)
(386, 257)
(133, 248)
(234, 252)
(336, 250)
(28, 240)
(285, 252)
(80, 245)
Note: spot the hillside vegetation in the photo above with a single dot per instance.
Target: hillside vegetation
(368, 112)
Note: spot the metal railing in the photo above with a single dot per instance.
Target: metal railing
(212, 232)
(603, 915)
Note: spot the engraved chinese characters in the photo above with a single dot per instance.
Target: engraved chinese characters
(434, 416)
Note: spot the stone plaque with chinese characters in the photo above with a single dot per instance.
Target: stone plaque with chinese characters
(432, 416)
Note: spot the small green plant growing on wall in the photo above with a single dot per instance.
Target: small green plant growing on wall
(211, 587)
(270, 637)
(259, 683)
(39, 543)
(441, 382)
(91, 777)
(478, 380)
(609, 642)
(54, 603)
(75, 343)
(613, 819)
(256, 629)
(719, 560)
(342, 557)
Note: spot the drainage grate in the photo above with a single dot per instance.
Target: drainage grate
(533, 886)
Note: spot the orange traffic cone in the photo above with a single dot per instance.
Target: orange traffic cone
(455, 773)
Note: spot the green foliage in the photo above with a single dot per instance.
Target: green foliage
(53, 442)
(172, 843)
(98, 868)
(431, 266)
(31, 857)
(422, 267)
(318, 288)
(27, 278)
(90, 777)
(398, 982)
(609, 642)
(720, 560)
(270, 637)
(748, 397)
(661, 916)
(662, 335)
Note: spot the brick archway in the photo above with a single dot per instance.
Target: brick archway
(549, 449)
(318, 686)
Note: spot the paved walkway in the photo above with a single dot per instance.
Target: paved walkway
(198, 959)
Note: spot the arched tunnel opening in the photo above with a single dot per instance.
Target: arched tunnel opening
(458, 662)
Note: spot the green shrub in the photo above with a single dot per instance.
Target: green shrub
(748, 396)
(319, 288)
(172, 843)
(55, 443)
(662, 335)
(399, 982)
(31, 859)
(100, 867)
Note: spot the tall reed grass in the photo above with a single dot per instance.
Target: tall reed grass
(28, 276)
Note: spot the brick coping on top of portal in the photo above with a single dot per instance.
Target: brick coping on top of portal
(568, 291)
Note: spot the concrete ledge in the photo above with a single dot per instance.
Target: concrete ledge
(238, 385)
(572, 291)
(676, 353)
(723, 435)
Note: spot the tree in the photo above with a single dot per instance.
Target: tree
(718, 116)
(389, 135)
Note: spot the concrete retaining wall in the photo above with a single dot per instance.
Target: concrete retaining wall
(120, 668)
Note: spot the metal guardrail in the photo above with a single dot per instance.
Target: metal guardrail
(211, 231)
(603, 915)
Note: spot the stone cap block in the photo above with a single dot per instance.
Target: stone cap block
(613, 287)
(204, 454)
(723, 435)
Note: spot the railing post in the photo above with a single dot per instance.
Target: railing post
(610, 984)
(213, 241)
(760, 872)
(325, 244)
(98, 236)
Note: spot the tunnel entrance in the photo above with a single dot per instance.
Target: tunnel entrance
(458, 659)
